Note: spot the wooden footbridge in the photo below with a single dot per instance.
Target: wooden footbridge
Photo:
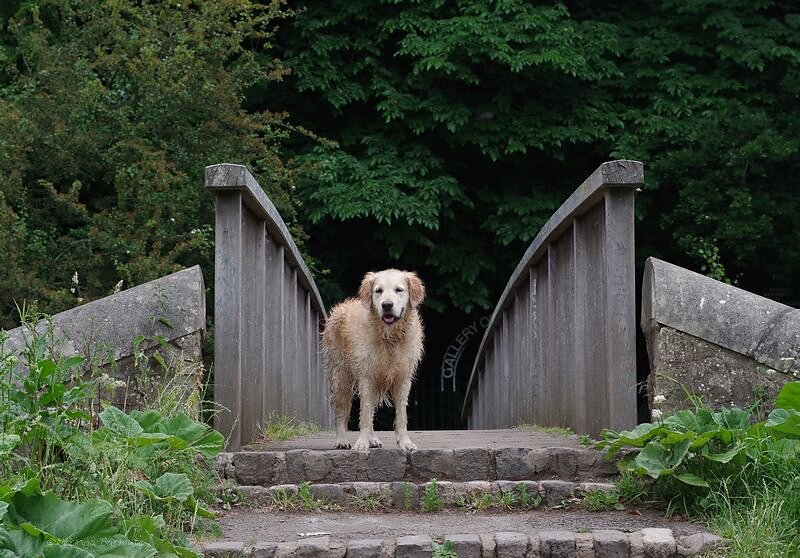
(559, 349)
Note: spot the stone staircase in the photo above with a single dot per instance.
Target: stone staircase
(494, 493)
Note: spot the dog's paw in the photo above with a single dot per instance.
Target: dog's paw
(362, 444)
(342, 444)
(375, 442)
(406, 444)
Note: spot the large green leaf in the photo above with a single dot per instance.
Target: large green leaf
(724, 457)
(169, 486)
(692, 479)
(789, 397)
(66, 551)
(58, 519)
(119, 423)
(200, 437)
(16, 543)
(118, 547)
(7, 443)
(732, 418)
(657, 460)
(784, 421)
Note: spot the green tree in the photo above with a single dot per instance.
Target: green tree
(462, 125)
(111, 110)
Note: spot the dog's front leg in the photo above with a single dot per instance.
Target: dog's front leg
(366, 436)
(400, 397)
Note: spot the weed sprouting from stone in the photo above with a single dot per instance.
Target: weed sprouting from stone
(431, 500)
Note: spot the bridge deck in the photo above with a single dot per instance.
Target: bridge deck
(433, 439)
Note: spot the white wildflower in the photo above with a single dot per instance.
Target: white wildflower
(80, 299)
(75, 278)
(119, 384)
(118, 287)
(72, 290)
(659, 399)
(172, 219)
(657, 414)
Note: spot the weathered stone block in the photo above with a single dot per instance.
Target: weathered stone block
(692, 545)
(557, 544)
(386, 465)
(466, 546)
(307, 465)
(515, 463)
(265, 550)
(610, 544)
(256, 496)
(511, 545)
(565, 466)
(473, 464)
(368, 548)
(404, 495)
(254, 468)
(333, 493)
(223, 549)
(343, 466)
(658, 543)
(556, 491)
(710, 339)
(430, 464)
(584, 545)
(170, 308)
(416, 546)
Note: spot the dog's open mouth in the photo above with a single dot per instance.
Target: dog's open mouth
(389, 319)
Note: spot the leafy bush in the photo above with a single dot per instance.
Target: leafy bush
(740, 474)
(64, 465)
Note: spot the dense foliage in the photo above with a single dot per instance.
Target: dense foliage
(77, 481)
(110, 111)
(741, 474)
(456, 127)
(462, 125)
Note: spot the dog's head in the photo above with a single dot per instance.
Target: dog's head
(390, 293)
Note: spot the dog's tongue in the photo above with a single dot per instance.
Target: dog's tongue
(389, 319)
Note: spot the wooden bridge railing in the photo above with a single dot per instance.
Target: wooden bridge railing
(560, 348)
(267, 314)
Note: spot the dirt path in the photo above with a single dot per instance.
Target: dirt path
(247, 525)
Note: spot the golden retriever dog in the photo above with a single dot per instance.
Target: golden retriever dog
(372, 346)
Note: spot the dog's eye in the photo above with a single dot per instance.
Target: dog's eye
(399, 289)
(378, 291)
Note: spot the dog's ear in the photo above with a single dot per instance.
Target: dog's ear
(365, 290)
(416, 289)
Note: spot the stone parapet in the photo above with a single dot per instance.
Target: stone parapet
(134, 335)
(709, 339)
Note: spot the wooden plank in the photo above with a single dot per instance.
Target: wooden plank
(522, 363)
(252, 326)
(533, 353)
(621, 308)
(504, 355)
(581, 280)
(564, 322)
(543, 319)
(274, 329)
(594, 348)
(228, 316)
(291, 382)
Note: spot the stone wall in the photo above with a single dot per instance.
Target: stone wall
(709, 339)
(146, 337)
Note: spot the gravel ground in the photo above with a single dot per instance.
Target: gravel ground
(247, 525)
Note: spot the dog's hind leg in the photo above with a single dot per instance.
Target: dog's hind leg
(400, 399)
(366, 437)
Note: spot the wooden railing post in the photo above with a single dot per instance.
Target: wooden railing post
(560, 346)
(267, 314)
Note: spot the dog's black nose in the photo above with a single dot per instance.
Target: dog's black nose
(387, 305)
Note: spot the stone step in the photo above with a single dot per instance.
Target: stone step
(295, 466)
(410, 496)
(559, 543)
